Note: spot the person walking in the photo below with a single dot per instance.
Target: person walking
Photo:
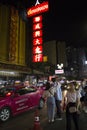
(58, 98)
(26, 84)
(72, 107)
(50, 101)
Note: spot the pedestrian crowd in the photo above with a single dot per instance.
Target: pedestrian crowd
(72, 102)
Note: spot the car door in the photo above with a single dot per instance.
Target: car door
(20, 101)
(33, 97)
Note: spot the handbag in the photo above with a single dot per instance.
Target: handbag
(72, 109)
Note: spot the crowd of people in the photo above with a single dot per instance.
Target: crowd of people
(73, 102)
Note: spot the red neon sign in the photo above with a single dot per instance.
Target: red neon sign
(40, 8)
(38, 58)
(37, 26)
(37, 19)
(37, 34)
(37, 41)
(37, 49)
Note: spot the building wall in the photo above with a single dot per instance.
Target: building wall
(76, 58)
(12, 36)
(56, 52)
(4, 32)
(49, 49)
(21, 42)
(62, 53)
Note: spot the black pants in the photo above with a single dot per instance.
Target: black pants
(58, 106)
(70, 117)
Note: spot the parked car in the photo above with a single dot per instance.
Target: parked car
(17, 99)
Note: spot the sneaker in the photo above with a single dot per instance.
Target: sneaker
(52, 120)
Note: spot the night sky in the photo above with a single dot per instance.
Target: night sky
(65, 21)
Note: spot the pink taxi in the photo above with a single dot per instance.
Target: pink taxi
(15, 100)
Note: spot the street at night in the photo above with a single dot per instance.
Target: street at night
(25, 121)
(43, 46)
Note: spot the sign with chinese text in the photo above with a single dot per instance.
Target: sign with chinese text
(36, 11)
(37, 39)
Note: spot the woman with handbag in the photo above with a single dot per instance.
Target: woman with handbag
(72, 107)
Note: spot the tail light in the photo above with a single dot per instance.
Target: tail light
(8, 94)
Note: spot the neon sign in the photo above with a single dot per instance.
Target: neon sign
(38, 58)
(37, 26)
(39, 8)
(37, 49)
(37, 19)
(37, 41)
(37, 33)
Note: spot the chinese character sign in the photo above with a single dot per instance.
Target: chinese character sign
(37, 19)
(37, 39)
(36, 12)
(37, 58)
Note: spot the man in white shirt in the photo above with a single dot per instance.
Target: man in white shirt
(58, 97)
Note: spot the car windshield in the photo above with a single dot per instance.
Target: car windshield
(25, 90)
(5, 91)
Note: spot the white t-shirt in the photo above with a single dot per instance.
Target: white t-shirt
(58, 91)
(72, 96)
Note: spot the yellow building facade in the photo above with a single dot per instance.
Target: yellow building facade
(12, 41)
(12, 36)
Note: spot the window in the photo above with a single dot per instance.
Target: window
(23, 91)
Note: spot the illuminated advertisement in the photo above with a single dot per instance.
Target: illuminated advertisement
(37, 50)
(35, 12)
(37, 39)
(37, 26)
(38, 9)
(38, 58)
(37, 19)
